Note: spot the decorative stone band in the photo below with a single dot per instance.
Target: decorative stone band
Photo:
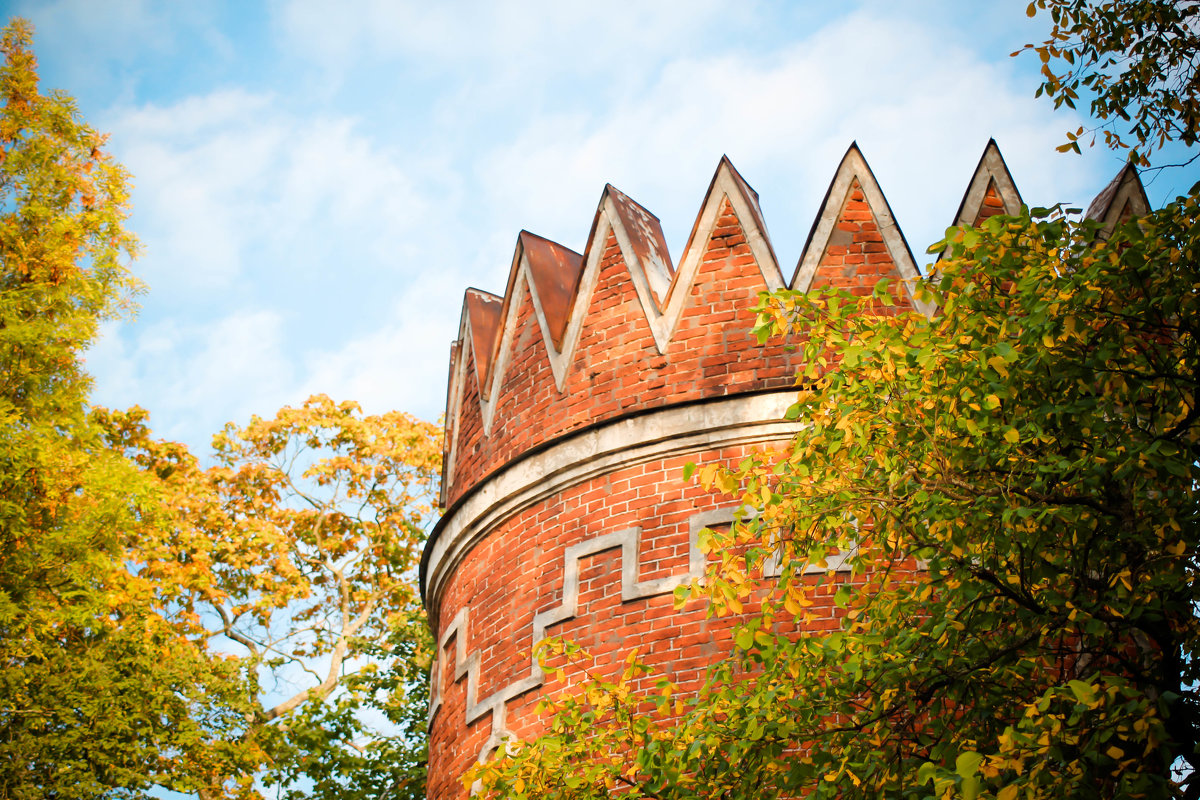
(629, 540)
(467, 664)
(655, 435)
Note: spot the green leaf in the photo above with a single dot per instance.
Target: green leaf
(1085, 693)
(967, 763)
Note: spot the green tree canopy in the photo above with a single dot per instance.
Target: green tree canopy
(1135, 63)
(296, 551)
(165, 625)
(96, 690)
(1015, 480)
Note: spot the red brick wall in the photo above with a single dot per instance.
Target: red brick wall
(992, 205)
(518, 571)
(856, 256)
(515, 569)
(617, 367)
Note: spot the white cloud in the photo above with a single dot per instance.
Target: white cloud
(99, 47)
(402, 364)
(195, 377)
(922, 112)
(199, 169)
(231, 177)
(319, 233)
(509, 36)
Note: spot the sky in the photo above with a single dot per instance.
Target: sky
(317, 183)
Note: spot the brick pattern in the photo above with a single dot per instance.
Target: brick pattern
(992, 205)
(574, 592)
(514, 576)
(856, 256)
(484, 682)
(515, 583)
(616, 367)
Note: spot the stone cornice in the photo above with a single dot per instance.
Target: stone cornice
(580, 456)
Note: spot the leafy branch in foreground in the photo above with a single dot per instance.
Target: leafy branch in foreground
(1014, 484)
(1137, 62)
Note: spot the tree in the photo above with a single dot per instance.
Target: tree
(1016, 480)
(297, 551)
(211, 630)
(1136, 59)
(1014, 484)
(93, 692)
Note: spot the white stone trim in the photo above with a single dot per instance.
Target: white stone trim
(991, 169)
(466, 664)
(558, 360)
(724, 187)
(1129, 192)
(458, 379)
(675, 430)
(773, 565)
(489, 393)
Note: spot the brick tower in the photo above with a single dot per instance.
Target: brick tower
(574, 401)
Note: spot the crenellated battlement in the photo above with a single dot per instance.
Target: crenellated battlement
(575, 399)
(543, 359)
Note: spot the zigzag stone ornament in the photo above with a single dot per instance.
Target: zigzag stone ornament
(574, 401)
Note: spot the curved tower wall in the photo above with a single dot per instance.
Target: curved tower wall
(574, 401)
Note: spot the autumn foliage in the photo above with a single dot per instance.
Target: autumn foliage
(1013, 482)
(209, 628)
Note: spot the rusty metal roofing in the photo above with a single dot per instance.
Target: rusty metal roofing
(555, 271)
(483, 315)
(1102, 208)
(647, 241)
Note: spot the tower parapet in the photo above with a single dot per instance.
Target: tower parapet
(574, 401)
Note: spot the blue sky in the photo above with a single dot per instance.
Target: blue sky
(316, 183)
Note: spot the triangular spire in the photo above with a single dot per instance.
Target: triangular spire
(839, 227)
(728, 182)
(1123, 198)
(482, 310)
(644, 244)
(991, 190)
(449, 418)
(554, 272)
